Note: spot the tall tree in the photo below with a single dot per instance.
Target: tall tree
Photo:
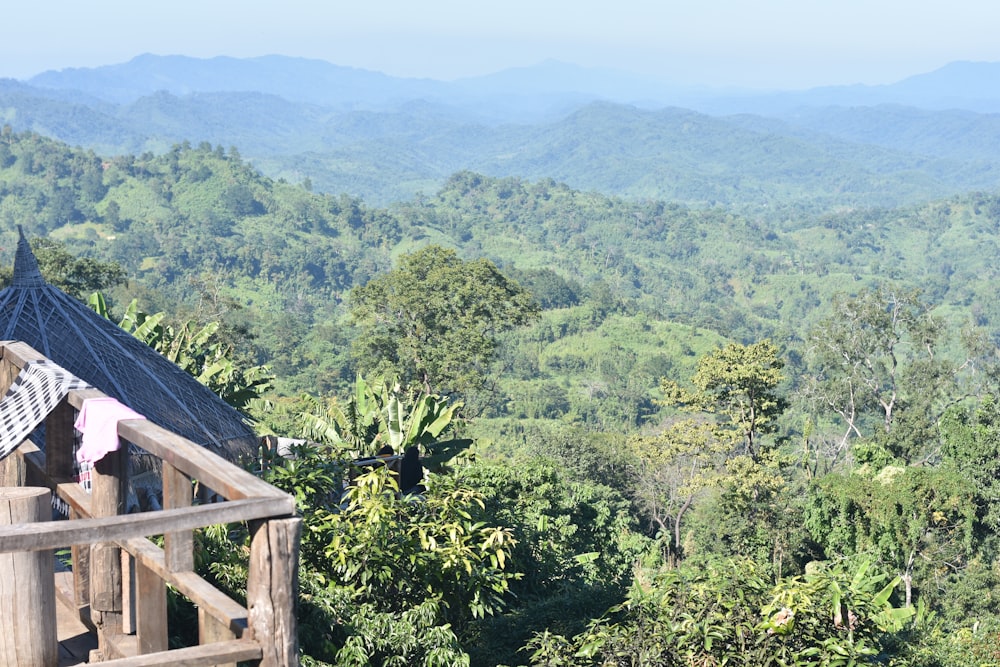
(435, 320)
(875, 362)
(740, 383)
(670, 469)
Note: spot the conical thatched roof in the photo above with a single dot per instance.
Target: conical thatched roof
(99, 352)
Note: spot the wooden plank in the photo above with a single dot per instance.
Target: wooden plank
(75, 639)
(226, 611)
(8, 371)
(150, 611)
(211, 630)
(77, 498)
(128, 593)
(194, 656)
(177, 494)
(56, 534)
(19, 353)
(226, 479)
(273, 590)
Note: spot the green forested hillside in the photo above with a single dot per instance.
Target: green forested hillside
(408, 144)
(702, 437)
(197, 228)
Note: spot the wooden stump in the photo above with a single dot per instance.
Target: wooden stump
(27, 586)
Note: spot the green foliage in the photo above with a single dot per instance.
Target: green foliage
(384, 579)
(549, 289)
(435, 320)
(399, 550)
(721, 469)
(971, 446)
(670, 470)
(574, 544)
(739, 382)
(727, 613)
(381, 413)
(754, 510)
(913, 520)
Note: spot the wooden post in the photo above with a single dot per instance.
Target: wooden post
(59, 440)
(27, 586)
(210, 631)
(150, 611)
(8, 372)
(108, 499)
(81, 570)
(11, 467)
(128, 593)
(178, 493)
(12, 470)
(273, 589)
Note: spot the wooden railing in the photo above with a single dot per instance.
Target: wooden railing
(120, 576)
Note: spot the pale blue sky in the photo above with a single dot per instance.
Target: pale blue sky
(748, 43)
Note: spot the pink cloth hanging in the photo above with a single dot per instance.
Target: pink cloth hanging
(98, 422)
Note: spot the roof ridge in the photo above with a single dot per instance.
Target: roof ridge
(26, 271)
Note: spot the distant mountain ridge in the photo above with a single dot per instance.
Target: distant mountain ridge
(386, 138)
(973, 86)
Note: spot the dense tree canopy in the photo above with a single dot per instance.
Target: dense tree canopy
(436, 318)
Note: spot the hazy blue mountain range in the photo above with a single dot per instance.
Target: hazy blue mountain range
(385, 138)
(960, 85)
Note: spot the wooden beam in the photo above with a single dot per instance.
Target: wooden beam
(18, 353)
(177, 494)
(194, 656)
(226, 611)
(197, 462)
(57, 534)
(150, 610)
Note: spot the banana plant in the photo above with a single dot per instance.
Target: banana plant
(423, 426)
(380, 413)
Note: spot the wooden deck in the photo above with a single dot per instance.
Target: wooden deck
(112, 608)
(76, 640)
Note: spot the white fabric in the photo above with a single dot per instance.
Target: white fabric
(36, 391)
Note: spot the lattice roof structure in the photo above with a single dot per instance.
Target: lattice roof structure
(99, 352)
